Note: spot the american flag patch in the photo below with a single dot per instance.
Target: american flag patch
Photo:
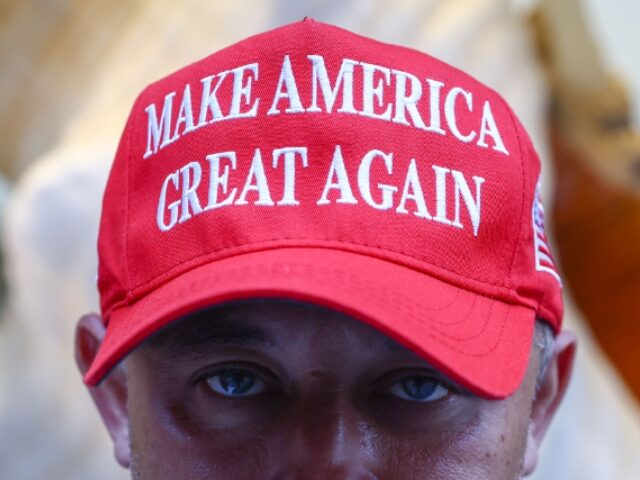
(544, 259)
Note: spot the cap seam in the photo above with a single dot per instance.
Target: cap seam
(126, 210)
(308, 241)
(242, 249)
(522, 190)
(128, 196)
(445, 338)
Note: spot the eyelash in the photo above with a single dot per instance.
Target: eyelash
(438, 390)
(391, 381)
(209, 372)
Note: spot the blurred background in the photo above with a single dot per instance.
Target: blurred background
(70, 70)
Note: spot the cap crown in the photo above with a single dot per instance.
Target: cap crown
(309, 135)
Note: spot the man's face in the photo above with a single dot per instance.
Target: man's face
(285, 390)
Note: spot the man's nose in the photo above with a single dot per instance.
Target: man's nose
(332, 439)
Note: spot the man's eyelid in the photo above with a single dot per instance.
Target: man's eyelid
(439, 390)
(261, 372)
(429, 372)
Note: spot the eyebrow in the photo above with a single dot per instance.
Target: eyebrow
(394, 347)
(199, 336)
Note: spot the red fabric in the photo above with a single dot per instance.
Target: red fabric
(464, 299)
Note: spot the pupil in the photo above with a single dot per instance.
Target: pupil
(418, 387)
(236, 382)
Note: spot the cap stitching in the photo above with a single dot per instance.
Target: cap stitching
(522, 206)
(486, 353)
(431, 327)
(126, 211)
(303, 240)
(128, 187)
(464, 318)
(130, 296)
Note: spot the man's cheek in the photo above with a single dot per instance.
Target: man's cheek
(160, 454)
(444, 460)
(496, 447)
(176, 440)
(491, 448)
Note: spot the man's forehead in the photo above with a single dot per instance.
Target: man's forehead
(267, 323)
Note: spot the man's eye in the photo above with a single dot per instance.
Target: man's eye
(419, 388)
(234, 382)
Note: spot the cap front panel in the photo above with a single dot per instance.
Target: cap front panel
(310, 135)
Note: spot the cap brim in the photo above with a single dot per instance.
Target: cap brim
(481, 343)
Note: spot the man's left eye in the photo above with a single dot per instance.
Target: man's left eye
(235, 382)
(418, 388)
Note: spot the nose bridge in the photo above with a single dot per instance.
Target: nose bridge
(331, 441)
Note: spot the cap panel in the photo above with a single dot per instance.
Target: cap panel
(437, 235)
(535, 274)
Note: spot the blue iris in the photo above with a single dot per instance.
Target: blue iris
(236, 382)
(418, 387)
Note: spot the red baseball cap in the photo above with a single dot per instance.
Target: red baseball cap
(315, 164)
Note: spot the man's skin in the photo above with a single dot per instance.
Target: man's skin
(277, 389)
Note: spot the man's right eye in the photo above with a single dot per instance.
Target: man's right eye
(235, 382)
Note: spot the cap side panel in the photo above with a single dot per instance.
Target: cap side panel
(542, 285)
(113, 268)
